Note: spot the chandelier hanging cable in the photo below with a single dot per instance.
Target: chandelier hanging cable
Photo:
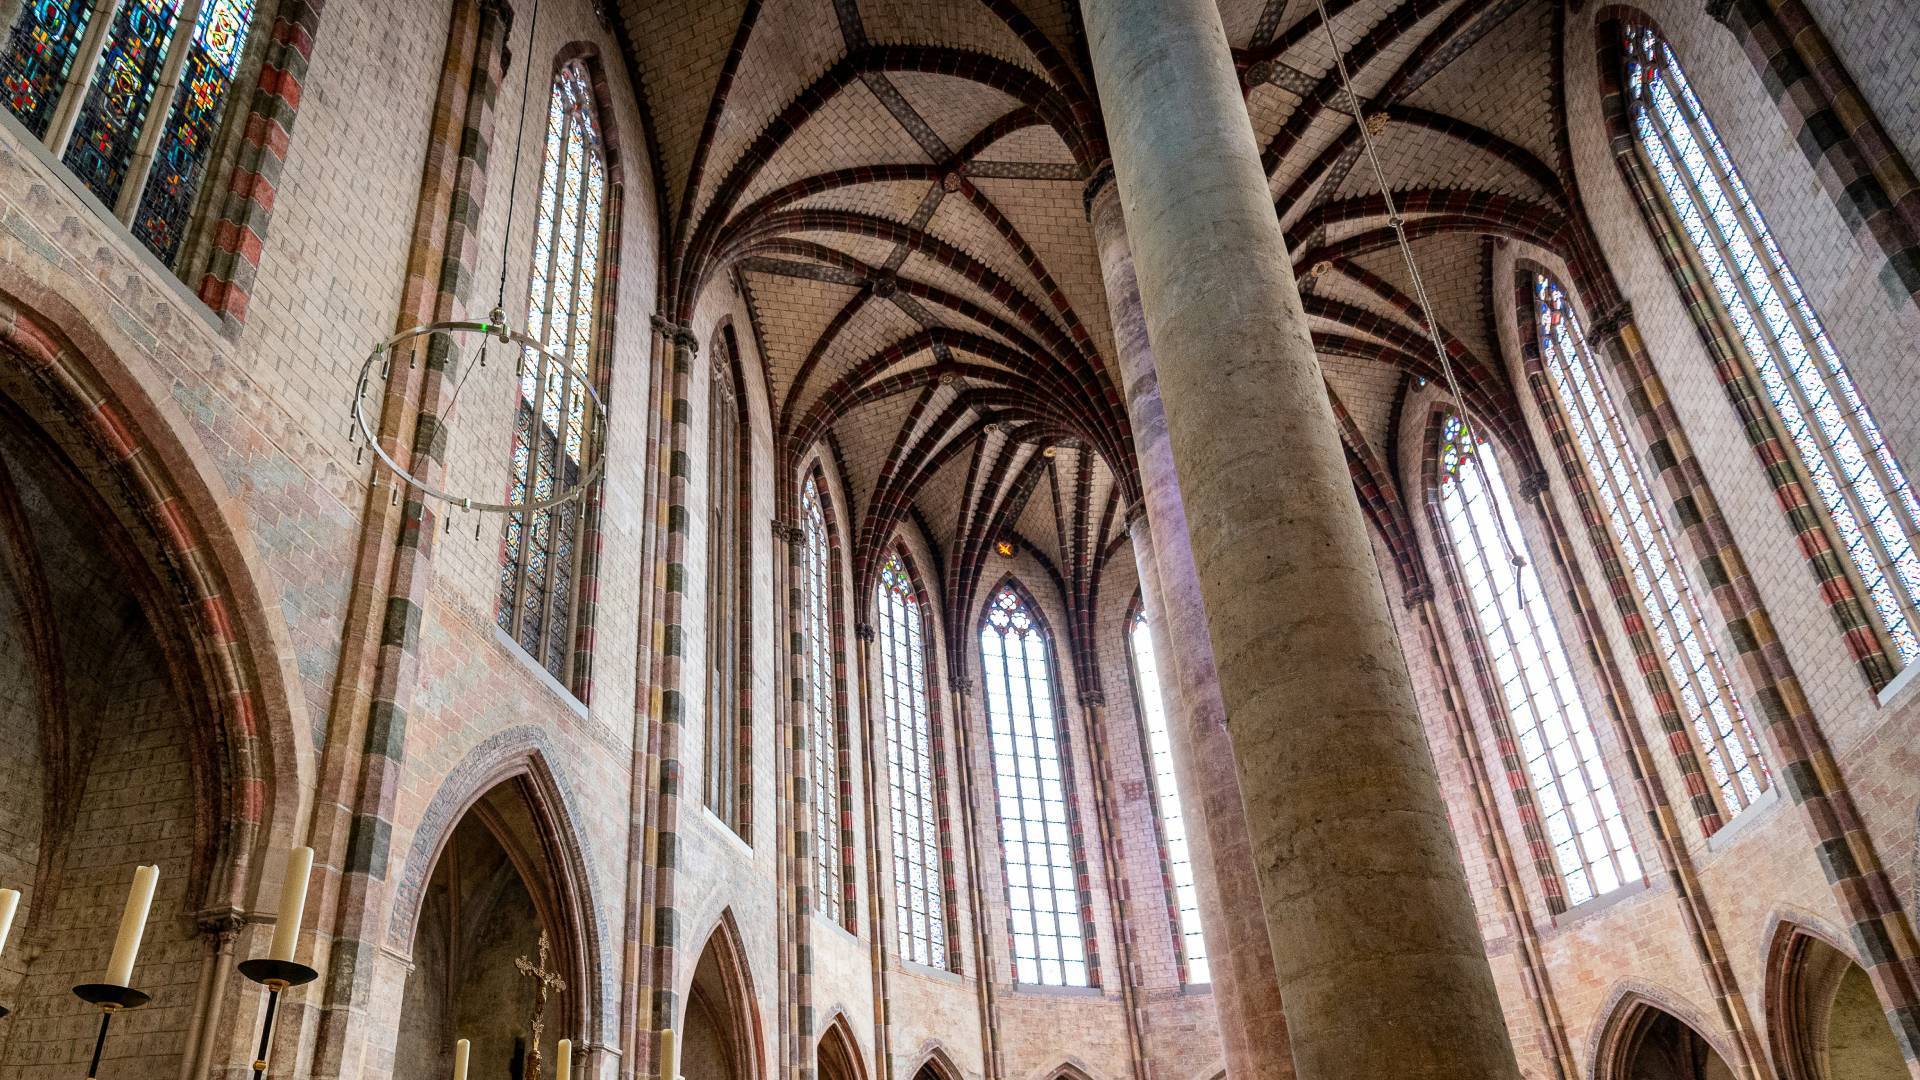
(567, 379)
(1399, 227)
(1393, 220)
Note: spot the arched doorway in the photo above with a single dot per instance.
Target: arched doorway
(1825, 1019)
(1646, 1042)
(719, 1037)
(477, 956)
(838, 1056)
(107, 760)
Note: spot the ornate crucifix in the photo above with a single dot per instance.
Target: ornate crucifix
(545, 982)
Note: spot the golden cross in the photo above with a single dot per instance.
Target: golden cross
(545, 982)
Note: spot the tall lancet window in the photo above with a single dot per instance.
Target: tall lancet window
(1590, 844)
(1166, 790)
(726, 596)
(127, 101)
(1816, 407)
(822, 701)
(1669, 619)
(919, 877)
(1031, 781)
(540, 560)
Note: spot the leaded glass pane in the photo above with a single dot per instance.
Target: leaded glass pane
(555, 419)
(41, 47)
(116, 101)
(919, 879)
(1562, 761)
(1166, 788)
(1048, 935)
(1851, 469)
(816, 573)
(213, 58)
(1671, 612)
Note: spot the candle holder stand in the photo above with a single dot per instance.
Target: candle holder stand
(111, 999)
(277, 976)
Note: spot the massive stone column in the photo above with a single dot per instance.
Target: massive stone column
(1246, 997)
(1378, 955)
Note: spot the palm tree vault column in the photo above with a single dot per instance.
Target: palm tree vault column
(1253, 1028)
(1378, 955)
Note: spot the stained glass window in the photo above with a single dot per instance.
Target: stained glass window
(1166, 790)
(1667, 603)
(1030, 782)
(816, 583)
(1836, 440)
(553, 421)
(1556, 743)
(919, 879)
(725, 673)
(128, 103)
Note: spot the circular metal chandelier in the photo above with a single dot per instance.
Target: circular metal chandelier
(592, 422)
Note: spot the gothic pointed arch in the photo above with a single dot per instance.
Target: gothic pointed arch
(502, 831)
(822, 595)
(87, 418)
(837, 1055)
(720, 1020)
(935, 1064)
(1824, 1020)
(925, 896)
(1839, 480)
(1647, 1034)
(1569, 808)
(1051, 938)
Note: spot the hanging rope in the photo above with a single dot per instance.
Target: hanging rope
(1425, 304)
(1398, 225)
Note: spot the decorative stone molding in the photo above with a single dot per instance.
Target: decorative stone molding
(788, 532)
(1534, 484)
(864, 631)
(1416, 596)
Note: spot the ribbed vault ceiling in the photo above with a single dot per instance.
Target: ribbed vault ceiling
(897, 187)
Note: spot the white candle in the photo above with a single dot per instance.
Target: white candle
(669, 1061)
(293, 903)
(133, 924)
(563, 1060)
(9, 903)
(460, 1059)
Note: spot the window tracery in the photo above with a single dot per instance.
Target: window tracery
(1592, 849)
(726, 615)
(540, 558)
(1853, 473)
(823, 720)
(1166, 790)
(127, 102)
(1031, 784)
(1722, 733)
(919, 877)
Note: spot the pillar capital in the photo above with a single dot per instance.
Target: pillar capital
(1099, 182)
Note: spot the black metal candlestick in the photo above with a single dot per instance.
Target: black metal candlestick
(276, 976)
(111, 999)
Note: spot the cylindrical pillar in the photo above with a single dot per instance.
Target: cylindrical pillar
(1245, 994)
(1378, 955)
